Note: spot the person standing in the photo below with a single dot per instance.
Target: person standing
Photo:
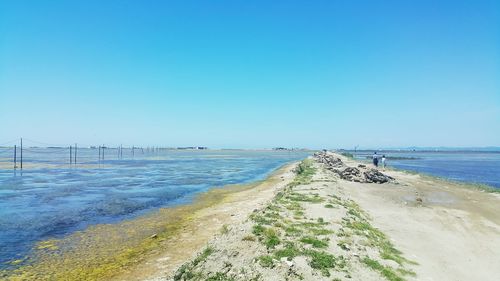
(383, 162)
(375, 159)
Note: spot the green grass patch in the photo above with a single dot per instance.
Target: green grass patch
(203, 256)
(311, 198)
(330, 206)
(321, 261)
(273, 208)
(309, 225)
(271, 238)
(258, 229)
(293, 206)
(320, 231)
(315, 228)
(279, 224)
(378, 239)
(185, 272)
(406, 272)
(293, 231)
(298, 213)
(289, 252)
(262, 219)
(220, 276)
(272, 215)
(354, 213)
(386, 271)
(305, 172)
(224, 229)
(266, 261)
(358, 222)
(316, 243)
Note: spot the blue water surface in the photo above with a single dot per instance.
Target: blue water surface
(464, 166)
(50, 202)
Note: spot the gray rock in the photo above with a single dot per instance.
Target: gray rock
(355, 174)
(375, 176)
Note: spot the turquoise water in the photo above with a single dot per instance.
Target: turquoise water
(49, 202)
(463, 166)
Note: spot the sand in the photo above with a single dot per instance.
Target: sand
(454, 234)
(325, 228)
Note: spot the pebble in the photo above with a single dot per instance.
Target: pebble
(287, 262)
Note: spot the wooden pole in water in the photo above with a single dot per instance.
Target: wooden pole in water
(99, 153)
(21, 153)
(103, 153)
(15, 156)
(76, 148)
(70, 155)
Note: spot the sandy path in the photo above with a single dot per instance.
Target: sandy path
(453, 235)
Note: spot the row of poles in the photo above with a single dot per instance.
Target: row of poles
(73, 151)
(72, 156)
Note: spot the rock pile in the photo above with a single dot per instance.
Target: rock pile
(350, 174)
(329, 160)
(373, 175)
(359, 174)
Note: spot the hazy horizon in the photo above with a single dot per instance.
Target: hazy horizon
(28, 143)
(237, 74)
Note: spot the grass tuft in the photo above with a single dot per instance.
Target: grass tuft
(220, 276)
(266, 261)
(386, 271)
(321, 261)
(224, 229)
(316, 243)
(271, 239)
(258, 229)
(249, 238)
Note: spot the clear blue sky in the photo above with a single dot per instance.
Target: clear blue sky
(251, 74)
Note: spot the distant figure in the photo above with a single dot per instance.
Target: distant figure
(383, 162)
(375, 159)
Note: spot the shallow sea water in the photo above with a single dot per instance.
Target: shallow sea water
(53, 201)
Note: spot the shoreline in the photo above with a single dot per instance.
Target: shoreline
(466, 184)
(207, 223)
(104, 251)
